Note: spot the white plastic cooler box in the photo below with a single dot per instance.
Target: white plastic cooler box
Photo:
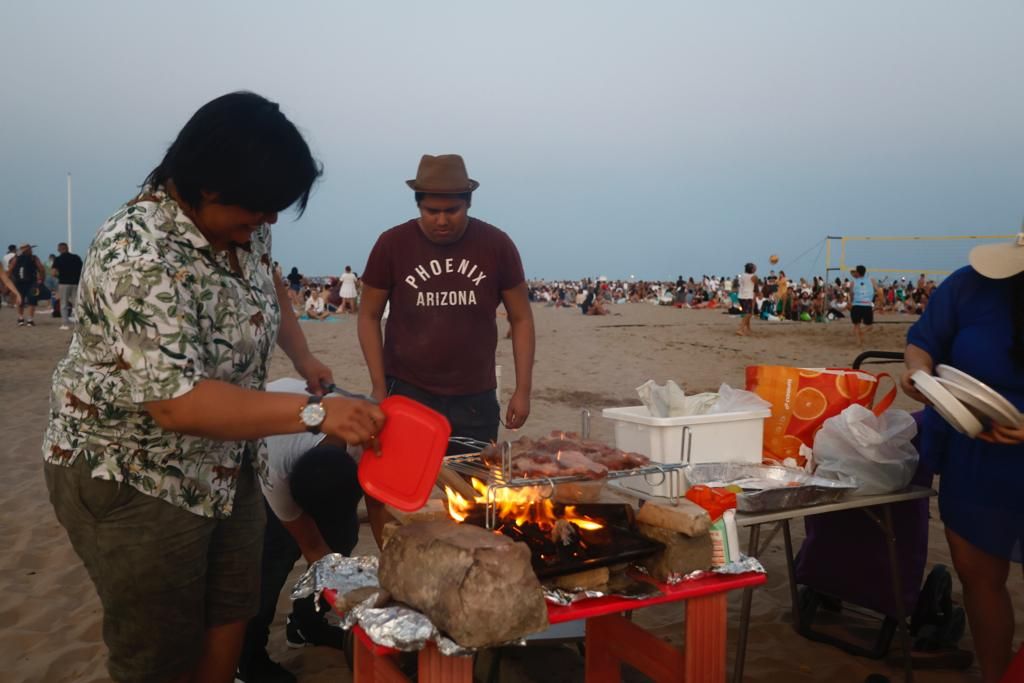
(722, 437)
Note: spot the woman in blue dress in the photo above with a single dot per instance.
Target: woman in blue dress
(975, 322)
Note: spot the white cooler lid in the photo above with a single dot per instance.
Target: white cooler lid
(640, 415)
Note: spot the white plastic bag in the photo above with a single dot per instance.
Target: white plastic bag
(737, 401)
(876, 451)
(669, 400)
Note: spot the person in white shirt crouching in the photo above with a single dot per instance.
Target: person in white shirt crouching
(311, 502)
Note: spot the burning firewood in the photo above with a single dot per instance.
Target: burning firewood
(565, 532)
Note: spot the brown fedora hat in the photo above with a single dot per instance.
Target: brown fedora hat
(443, 174)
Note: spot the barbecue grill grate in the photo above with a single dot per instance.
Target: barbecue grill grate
(472, 464)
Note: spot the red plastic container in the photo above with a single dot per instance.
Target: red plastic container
(412, 447)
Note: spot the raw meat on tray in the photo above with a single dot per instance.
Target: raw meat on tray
(563, 455)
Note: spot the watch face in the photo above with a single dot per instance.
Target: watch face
(313, 415)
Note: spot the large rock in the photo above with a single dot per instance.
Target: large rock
(681, 555)
(476, 586)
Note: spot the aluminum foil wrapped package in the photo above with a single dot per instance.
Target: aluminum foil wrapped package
(396, 626)
(337, 572)
(403, 628)
(743, 565)
(557, 596)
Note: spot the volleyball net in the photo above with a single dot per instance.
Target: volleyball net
(934, 256)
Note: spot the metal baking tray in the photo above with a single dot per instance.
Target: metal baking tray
(770, 487)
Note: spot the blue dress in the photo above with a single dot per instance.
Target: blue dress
(969, 324)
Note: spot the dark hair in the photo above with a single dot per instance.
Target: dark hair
(323, 480)
(749, 268)
(468, 196)
(241, 147)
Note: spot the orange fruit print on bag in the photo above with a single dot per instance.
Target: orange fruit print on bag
(803, 398)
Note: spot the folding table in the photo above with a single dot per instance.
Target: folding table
(611, 640)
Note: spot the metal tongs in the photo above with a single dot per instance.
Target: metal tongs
(332, 388)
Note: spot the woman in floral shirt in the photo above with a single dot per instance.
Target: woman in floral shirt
(158, 409)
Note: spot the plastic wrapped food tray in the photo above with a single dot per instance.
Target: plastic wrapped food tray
(770, 487)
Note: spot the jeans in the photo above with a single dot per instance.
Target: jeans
(67, 295)
(475, 416)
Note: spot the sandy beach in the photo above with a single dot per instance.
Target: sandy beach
(50, 618)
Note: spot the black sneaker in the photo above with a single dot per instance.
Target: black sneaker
(293, 635)
(21, 322)
(312, 634)
(264, 670)
(30, 323)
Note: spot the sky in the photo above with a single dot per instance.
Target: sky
(609, 138)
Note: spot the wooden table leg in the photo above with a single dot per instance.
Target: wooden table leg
(612, 641)
(362, 660)
(435, 667)
(601, 663)
(704, 651)
(371, 668)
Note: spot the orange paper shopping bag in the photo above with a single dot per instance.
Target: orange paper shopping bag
(803, 398)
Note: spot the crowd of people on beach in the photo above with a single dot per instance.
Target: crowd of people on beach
(30, 284)
(776, 297)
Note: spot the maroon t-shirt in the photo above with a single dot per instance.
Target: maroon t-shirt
(441, 333)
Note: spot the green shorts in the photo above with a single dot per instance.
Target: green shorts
(163, 574)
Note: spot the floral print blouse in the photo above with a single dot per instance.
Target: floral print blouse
(159, 310)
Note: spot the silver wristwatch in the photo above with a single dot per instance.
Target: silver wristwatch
(313, 414)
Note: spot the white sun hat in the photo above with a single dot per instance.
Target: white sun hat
(999, 261)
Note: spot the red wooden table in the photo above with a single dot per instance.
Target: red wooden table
(611, 640)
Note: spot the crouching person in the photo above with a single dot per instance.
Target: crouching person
(311, 511)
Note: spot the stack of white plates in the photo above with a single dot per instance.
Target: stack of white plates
(964, 402)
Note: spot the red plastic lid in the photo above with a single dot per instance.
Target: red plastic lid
(412, 447)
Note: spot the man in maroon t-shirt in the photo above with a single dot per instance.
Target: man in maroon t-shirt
(444, 275)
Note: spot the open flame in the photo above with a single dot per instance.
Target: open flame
(516, 506)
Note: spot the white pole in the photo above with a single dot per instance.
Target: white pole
(69, 212)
